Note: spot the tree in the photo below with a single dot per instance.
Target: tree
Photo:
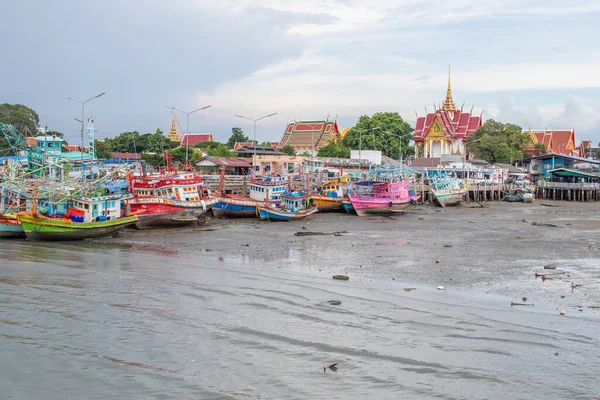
(289, 150)
(102, 149)
(540, 149)
(215, 149)
(334, 149)
(498, 142)
(237, 135)
(393, 134)
(22, 118)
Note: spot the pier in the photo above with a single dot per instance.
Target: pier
(568, 191)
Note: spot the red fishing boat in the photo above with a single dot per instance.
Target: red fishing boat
(169, 198)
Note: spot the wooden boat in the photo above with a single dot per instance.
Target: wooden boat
(168, 200)
(39, 227)
(374, 197)
(513, 196)
(234, 206)
(447, 191)
(294, 205)
(271, 213)
(10, 227)
(347, 205)
(327, 203)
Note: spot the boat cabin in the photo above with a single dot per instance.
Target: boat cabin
(295, 201)
(183, 187)
(272, 186)
(95, 208)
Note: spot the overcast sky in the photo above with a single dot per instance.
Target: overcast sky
(531, 62)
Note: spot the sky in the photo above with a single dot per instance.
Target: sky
(530, 62)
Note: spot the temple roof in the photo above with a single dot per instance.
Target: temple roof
(455, 125)
(556, 141)
(192, 139)
(303, 134)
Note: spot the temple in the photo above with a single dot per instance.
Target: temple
(192, 139)
(303, 135)
(554, 141)
(446, 130)
(173, 135)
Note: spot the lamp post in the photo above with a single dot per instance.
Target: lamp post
(465, 156)
(399, 144)
(254, 139)
(82, 118)
(360, 138)
(187, 129)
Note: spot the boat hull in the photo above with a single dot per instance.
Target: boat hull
(448, 199)
(328, 204)
(49, 229)
(10, 228)
(165, 213)
(234, 208)
(367, 206)
(270, 214)
(347, 206)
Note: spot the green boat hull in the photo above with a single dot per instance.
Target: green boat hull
(42, 229)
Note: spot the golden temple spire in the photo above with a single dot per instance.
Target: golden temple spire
(448, 102)
(173, 135)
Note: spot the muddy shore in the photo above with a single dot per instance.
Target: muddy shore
(496, 249)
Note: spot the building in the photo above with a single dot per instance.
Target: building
(445, 130)
(304, 136)
(173, 135)
(232, 165)
(542, 164)
(373, 156)
(192, 139)
(121, 158)
(555, 142)
(280, 163)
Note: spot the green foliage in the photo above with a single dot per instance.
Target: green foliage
(393, 134)
(540, 149)
(334, 149)
(178, 154)
(305, 154)
(102, 149)
(133, 142)
(215, 149)
(237, 135)
(23, 118)
(154, 159)
(289, 150)
(498, 142)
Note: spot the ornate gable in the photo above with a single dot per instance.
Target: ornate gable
(437, 131)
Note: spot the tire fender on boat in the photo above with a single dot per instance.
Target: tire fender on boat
(390, 204)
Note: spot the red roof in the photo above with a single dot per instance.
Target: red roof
(301, 134)
(126, 156)
(457, 126)
(239, 145)
(556, 141)
(225, 162)
(192, 139)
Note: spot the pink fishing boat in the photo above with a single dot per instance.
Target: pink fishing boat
(372, 197)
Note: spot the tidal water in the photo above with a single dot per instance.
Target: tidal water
(99, 321)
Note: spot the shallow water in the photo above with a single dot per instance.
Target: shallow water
(95, 320)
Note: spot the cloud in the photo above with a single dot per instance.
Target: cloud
(575, 113)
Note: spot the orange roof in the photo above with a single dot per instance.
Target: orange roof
(302, 134)
(31, 141)
(556, 141)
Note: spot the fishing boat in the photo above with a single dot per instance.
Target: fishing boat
(331, 196)
(528, 197)
(374, 197)
(91, 215)
(268, 188)
(513, 196)
(168, 200)
(447, 191)
(232, 205)
(293, 206)
(10, 227)
(347, 205)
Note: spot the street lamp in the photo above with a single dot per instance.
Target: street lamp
(465, 155)
(82, 116)
(399, 144)
(187, 128)
(254, 140)
(360, 138)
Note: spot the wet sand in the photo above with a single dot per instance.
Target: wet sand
(240, 309)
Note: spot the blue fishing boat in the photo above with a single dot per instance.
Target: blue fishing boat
(294, 205)
(447, 191)
(234, 206)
